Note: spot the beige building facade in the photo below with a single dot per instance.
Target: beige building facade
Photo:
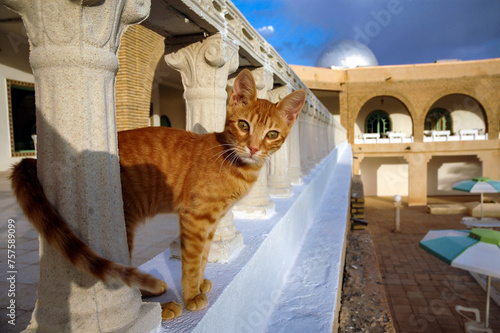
(416, 129)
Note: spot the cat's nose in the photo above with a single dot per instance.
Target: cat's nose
(253, 150)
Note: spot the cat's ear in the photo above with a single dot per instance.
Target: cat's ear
(291, 105)
(244, 89)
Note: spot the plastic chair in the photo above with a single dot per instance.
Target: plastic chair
(472, 325)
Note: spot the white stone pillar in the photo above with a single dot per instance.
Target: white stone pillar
(304, 142)
(311, 139)
(323, 142)
(295, 172)
(315, 137)
(73, 57)
(278, 180)
(257, 203)
(204, 68)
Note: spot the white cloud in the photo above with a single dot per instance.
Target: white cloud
(266, 31)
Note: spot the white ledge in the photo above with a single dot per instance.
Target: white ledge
(294, 257)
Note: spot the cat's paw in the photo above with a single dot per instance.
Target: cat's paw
(198, 303)
(206, 286)
(170, 310)
(159, 290)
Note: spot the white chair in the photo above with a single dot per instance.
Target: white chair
(485, 222)
(472, 325)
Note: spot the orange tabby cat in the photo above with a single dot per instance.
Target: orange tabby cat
(165, 170)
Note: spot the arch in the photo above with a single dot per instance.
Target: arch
(378, 122)
(438, 119)
(398, 113)
(465, 112)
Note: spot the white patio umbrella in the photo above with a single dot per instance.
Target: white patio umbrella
(477, 251)
(478, 185)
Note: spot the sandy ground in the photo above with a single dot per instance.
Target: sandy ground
(364, 303)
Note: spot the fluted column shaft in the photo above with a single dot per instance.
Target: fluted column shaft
(304, 142)
(295, 172)
(73, 56)
(278, 177)
(204, 67)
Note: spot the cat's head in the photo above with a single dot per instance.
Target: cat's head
(256, 128)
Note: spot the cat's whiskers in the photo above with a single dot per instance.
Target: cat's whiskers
(233, 156)
(222, 153)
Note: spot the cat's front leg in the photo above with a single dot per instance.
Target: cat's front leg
(193, 234)
(206, 284)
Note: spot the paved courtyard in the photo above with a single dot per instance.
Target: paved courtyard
(422, 291)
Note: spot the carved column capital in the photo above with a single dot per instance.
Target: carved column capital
(199, 62)
(277, 94)
(204, 67)
(264, 81)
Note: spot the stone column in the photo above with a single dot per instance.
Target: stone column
(417, 178)
(73, 57)
(294, 146)
(204, 68)
(257, 204)
(312, 132)
(304, 136)
(278, 180)
(490, 159)
(316, 136)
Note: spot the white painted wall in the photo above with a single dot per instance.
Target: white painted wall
(14, 65)
(384, 176)
(388, 176)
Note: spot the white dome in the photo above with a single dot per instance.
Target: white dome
(346, 54)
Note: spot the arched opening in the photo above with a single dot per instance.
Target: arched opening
(383, 114)
(438, 120)
(378, 122)
(457, 113)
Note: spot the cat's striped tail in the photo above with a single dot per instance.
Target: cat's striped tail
(58, 234)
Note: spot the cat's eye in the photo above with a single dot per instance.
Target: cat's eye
(243, 125)
(272, 135)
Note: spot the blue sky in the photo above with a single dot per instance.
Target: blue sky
(397, 31)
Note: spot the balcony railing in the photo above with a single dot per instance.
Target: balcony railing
(430, 136)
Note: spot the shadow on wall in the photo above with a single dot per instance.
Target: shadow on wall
(443, 171)
(384, 176)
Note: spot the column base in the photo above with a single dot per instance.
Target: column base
(282, 192)
(148, 320)
(222, 250)
(254, 212)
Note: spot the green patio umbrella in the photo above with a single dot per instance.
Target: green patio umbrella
(477, 250)
(478, 185)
